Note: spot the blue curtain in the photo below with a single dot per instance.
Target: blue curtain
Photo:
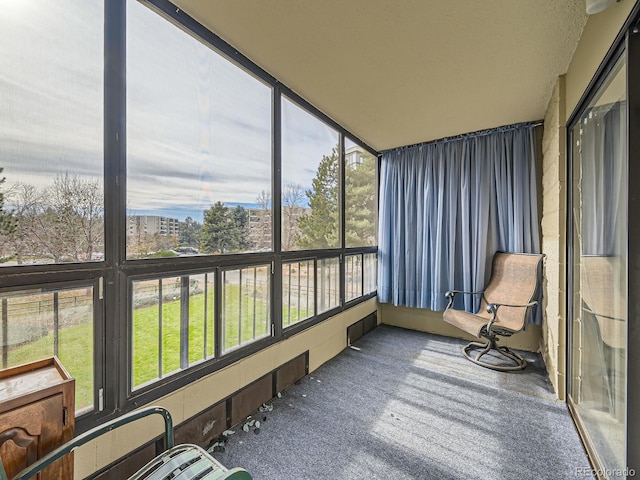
(446, 207)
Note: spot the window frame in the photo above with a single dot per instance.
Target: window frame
(220, 302)
(314, 303)
(57, 281)
(343, 161)
(627, 41)
(113, 276)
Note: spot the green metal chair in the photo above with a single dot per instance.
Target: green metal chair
(506, 305)
(181, 462)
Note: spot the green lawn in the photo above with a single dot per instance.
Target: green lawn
(76, 342)
(146, 332)
(75, 348)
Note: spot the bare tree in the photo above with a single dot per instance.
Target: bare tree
(28, 240)
(139, 242)
(293, 196)
(76, 206)
(260, 221)
(61, 222)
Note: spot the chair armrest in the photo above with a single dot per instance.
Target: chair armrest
(493, 307)
(452, 293)
(89, 435)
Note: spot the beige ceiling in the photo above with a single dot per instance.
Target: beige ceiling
(398, 72)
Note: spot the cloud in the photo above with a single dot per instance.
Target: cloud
(50, 91)
(305, 139)
(198, 126)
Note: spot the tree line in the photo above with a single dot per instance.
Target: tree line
(315, 226)
(61, 222)
(65, 220)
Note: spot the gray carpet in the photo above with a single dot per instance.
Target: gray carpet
(407, 405)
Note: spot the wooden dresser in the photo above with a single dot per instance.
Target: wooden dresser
(37, 402)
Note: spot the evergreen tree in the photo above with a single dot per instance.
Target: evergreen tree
(319, 228)
(217, 229)
(360, 204)
(241, 240)
(189, 232)
(225, 230)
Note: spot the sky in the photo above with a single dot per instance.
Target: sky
(198, 126)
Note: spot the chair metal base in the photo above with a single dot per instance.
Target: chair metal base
(516, 362)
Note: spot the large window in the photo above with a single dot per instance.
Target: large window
(138, 160)
(51, 132)
(198, 146)
(310, 181)
(51, 182)
(598, 339)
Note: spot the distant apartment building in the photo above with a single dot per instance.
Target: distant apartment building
(260, 226)
(151, 225)
(354, 156)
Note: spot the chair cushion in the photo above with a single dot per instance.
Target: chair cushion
(466, 321)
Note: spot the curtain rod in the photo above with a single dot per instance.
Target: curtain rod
(479, 133)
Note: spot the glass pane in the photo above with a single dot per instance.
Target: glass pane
(173, 325)
(360, 193)
(370, 272)
(169, 324)
(201, 315)
(245, 310)
(353, 277)
(51, 124)
(598, 342)
(328, 284)
(298, 288)
(40, 323)
(260, 223)
(198, 145)
(146, 295)
(310, 186)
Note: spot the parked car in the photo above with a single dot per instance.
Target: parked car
(187, 251)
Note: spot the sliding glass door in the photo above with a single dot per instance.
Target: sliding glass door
(599, 246)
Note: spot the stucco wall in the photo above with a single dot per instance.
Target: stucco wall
(553, 343)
